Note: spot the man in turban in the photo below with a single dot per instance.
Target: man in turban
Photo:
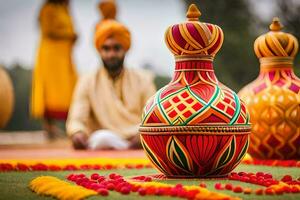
(107, 105)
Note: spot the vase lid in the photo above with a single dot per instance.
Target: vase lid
(276, 43)
(194, 37)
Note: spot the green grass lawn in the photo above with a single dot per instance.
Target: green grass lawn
(14, 185)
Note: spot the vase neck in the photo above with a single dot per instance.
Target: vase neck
(271, 64)
(190, 66)
(192, 70)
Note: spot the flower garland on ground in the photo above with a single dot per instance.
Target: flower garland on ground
(73, 164)
(272, 186)
(143, 185)
(52, 186)
(109, 163)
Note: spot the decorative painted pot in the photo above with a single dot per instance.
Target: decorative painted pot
(273, 99)
(6, 97)
(195, 126)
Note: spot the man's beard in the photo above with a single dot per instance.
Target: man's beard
(114, 65)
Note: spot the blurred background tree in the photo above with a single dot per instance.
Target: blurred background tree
(289, 14)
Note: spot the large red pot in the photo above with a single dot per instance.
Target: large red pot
(195, 126)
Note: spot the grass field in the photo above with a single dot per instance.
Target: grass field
(14, 185)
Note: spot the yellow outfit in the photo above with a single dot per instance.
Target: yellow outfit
(101, 103)
(54, 76)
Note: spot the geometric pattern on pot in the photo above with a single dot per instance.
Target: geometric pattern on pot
(184, 106)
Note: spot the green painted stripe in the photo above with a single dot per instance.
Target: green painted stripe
(172, 94)
(215, 95)
(244, 151)
(149, 111)
(227, 155)
(220, 111)
(154, 104)
(160, 107)
(196, 97)
(247, 119)
(237, 110)
(152, 157)
(159, 101)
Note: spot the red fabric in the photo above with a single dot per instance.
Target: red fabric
(60, 115)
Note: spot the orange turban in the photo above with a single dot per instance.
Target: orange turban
(109, 27)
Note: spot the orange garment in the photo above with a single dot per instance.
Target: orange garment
(108, 9)
(54, 75)
(109, 27)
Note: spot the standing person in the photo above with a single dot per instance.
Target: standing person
(54, 75)
(107, 105)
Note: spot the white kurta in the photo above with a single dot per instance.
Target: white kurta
(101, 103)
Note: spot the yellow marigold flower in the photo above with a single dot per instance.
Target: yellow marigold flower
(52, 186)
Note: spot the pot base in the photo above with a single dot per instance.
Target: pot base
(197, 177)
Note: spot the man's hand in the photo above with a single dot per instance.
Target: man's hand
(135, 142)
(79, 140)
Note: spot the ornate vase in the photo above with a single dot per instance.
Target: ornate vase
(195, 126)
(273, 99)
(6, 97)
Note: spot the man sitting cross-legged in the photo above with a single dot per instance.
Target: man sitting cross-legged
(107, 105)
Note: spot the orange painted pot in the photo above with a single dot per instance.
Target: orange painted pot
(273, 99)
